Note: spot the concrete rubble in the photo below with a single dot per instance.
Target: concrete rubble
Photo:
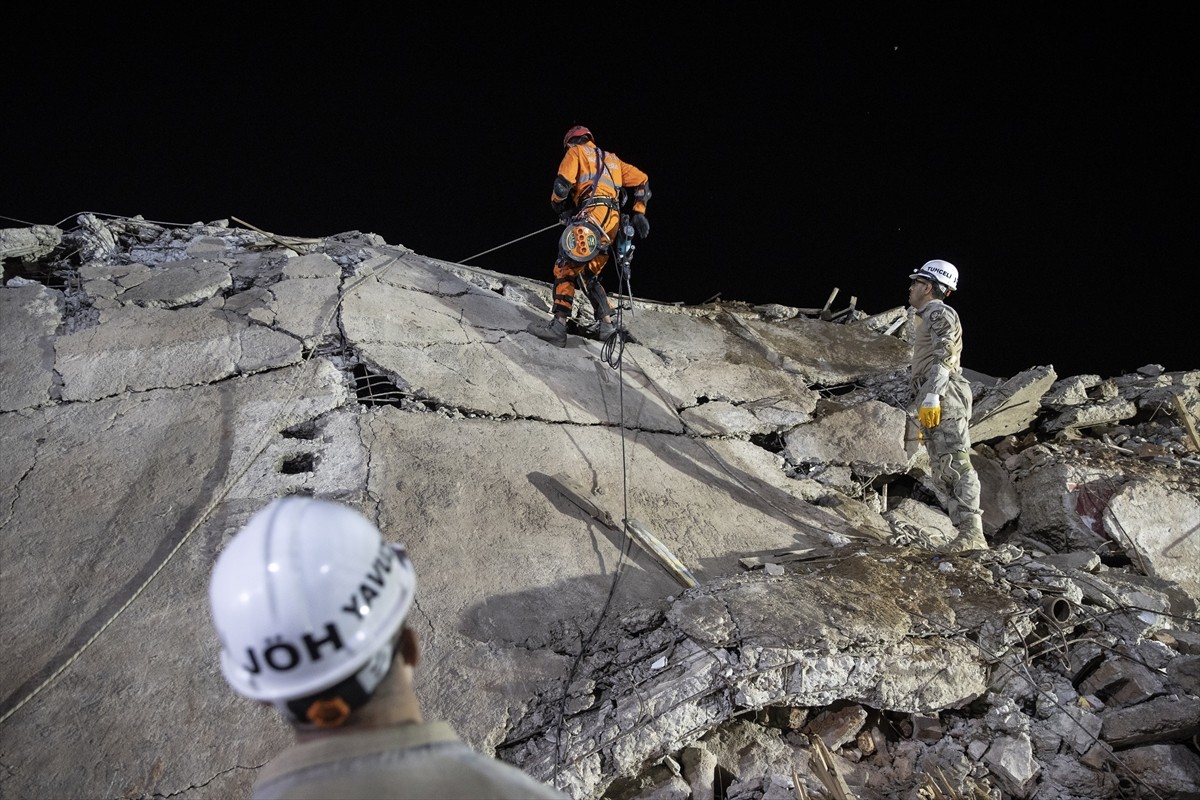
(160, 383)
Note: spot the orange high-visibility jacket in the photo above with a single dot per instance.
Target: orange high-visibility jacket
(580, 168)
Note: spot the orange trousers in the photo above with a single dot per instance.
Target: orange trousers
(568, 271)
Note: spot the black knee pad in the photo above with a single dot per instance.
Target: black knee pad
(599, 297)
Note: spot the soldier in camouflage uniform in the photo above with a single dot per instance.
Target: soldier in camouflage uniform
(944, 395)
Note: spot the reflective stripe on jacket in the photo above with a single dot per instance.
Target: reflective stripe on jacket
(581, 168)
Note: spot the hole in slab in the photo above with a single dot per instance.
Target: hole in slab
(373, 389)
(298, 463)
(722, 780)
(301, 430)
(906, 486)
(48, 274)
(834, 391)
(771, 442)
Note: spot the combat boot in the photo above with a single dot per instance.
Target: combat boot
(554, 331)
(969, 539)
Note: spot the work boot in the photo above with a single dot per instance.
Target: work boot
(968, 540)
(606, 330)
(554, 331)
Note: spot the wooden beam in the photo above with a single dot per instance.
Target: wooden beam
(825, 768)
(783, 556)
(826, 314)
(571, 490)
(1186, 419)
(637, 531)
(660, 553)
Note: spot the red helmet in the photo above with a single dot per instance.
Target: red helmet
(576, 130)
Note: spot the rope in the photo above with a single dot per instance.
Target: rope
(511, 241)
(614, 344)
(618, 573)
(611, 352)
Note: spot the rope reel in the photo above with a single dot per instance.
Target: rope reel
(582, 240)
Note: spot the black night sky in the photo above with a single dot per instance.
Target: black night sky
(1050, 156)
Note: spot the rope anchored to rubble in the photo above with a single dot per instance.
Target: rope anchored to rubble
(511, 241)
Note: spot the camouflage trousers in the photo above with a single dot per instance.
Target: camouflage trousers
(949, 448)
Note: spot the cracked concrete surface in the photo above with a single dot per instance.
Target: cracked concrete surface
(162, 389)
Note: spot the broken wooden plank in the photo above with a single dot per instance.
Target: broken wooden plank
(826, 314)
(798, 790)
(635, 530)
(825, 769)
(571, 490)
(850, 312)
(1186, 419)
(895, 326)
(292, 243)
(660, 553)
(783, 556)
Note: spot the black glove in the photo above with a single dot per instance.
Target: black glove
(642, 225)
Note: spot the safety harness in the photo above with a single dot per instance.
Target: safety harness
(583, 239)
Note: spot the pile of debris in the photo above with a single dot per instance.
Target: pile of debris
(1079, 674)
(1081, 620)
(1065, 679)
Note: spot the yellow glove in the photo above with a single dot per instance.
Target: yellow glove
(930, 413)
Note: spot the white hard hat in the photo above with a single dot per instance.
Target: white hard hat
(304, 596)
(938, 271)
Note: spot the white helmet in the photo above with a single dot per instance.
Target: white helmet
(938, 271)
(307, 595)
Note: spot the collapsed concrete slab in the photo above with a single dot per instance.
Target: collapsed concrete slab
(29, 244)
(748, 642)
(29, 317)
(1012, 405)
(177, 378)
(1161, 529)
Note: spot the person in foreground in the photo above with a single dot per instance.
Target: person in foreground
(310, 603)
(587, 194)
(944, 395)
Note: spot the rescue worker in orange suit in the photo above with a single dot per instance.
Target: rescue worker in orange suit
(587, 196)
